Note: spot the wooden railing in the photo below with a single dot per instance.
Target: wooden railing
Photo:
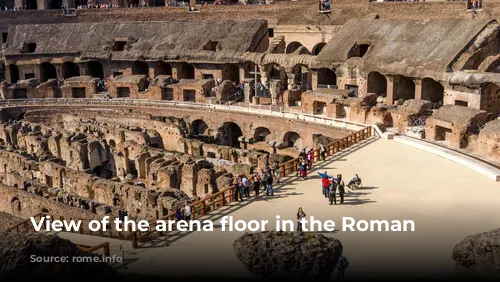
(212, 202)
(292, 166)
(25, 226)
(104, 246)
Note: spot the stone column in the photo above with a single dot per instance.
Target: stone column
(390, 90)
(274, 90)
(59, 71)
(42, 4)
(314, 80)
(249, 89)
(292, 80)
(243, 142)
(418, 88)
(264, 75)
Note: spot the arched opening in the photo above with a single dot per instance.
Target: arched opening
(199, 127)
(231, 72)
(15, 205)
(31, 5)
(432, 90)
(54, 4)
(70, 69)
(14, 73)
(490, 98)
(292, 47)
(228, 135)
(164, 69)
(44, 210)
(112, 143)
(47, 71)
(275, 71)
(139, 67)
(292, 139)
(96, 69)
(261, 134)
(358, 50)
(102, 172)
(326, 78)
(302, 77)
(185, 71)
(317, 48)
(404, 88)
(377, 83)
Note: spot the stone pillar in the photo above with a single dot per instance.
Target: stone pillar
(292, 80)
(418, 88)
(42, 4)
(273, 146)
(390, 90)
(84, 69)
(59, 71)
(314, 80)
(249, 89)
(36, 70)
(18, 3)
(274, 90)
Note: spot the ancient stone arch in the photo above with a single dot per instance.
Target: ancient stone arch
(261, 134)
(140, 67)
(228, 134)
(327, 77)
(292, 139)
(317, 48)
(432, 90)
(377, 83)
(185, 71)
(70, 69)
(95, 69)
(404, 88)
(15, 205)
(47, 71)
(199, 127)
(292, 47)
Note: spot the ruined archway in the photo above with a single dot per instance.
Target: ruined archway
(46, 211)
(326, 78)
(70, 69)
(228, 135)
(139, 67)
(261, 134)
(490, 98)
(163, 68)
(404, 88)
(185, 71)
(292, 139)
(199, 127)
(432, 90)
(292, 47)
(231, 72)
(96, 69)
(14, 73)
(317, 48)
(303, 76)
(47, 71)
(377, 83)
(274, 71)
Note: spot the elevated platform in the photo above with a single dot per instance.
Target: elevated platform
(472, 163)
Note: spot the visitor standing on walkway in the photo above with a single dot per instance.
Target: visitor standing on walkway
(262, 177)
(301, 215)
(310, 158)
(256, 185)
(325, 183)
(187, 212)
(246, 189)
(269, 183)
(238, 189)
(303, 170)
(341, 187)
(322, 151)
(332, 190)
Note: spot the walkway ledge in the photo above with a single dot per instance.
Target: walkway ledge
(474, 164)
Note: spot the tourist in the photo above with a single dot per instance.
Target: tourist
(277, 171)
(269, 183)
(342, 264)
(322, 151)
(246, 188)
(178, 214)
(340, 184)
(238, 189)
(325, 183)
(256, 185)
(310, 158)
(332, 189)
(301, 215)
(303, 170)
(187, 212)
(303, 154)
(353, 181)
(262, 177)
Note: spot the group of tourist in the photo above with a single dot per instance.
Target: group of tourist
(102, 85)
(324, 5)
(265, 179)
(306, 159)
(184, 213)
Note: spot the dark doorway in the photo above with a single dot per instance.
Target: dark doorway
(404, 88)
(292, 47)
(377, 83)
(186, 71)
(102, 172)
(70, 69)
(229, 133)
(199, 127)
(21, 93)
(292, 139)
(167, 94)
(123, 92)
(261, 134)
(317, 48)
(189, 95)
(96, 69)
(54, 4)
(326, 78)
(78, 92)
(231, 72)
(31, 5)
(139, 67)
(164, 69)
(14, 73)
(47, 71)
